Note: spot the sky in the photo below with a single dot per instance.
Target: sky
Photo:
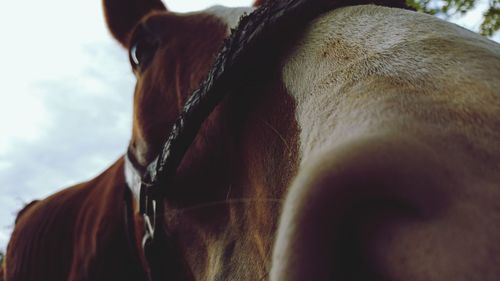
(66, 96)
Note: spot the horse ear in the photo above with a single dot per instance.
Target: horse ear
(258, 3)
(123, 15)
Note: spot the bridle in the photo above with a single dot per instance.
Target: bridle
(255, 45)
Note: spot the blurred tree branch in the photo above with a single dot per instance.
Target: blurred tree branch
(447, 8)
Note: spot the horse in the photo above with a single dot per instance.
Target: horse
(370, 152)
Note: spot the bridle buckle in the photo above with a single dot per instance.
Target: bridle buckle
(148, 208)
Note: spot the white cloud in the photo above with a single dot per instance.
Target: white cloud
(90, 120)
(26, 118)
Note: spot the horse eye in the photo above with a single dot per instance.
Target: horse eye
(142, 52)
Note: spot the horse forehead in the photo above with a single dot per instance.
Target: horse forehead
(230, 16)
(360, 69)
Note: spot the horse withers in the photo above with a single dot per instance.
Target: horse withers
(371, 153)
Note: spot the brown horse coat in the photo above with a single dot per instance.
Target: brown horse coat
(78, 233)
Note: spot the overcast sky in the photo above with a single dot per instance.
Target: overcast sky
(66, 96)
